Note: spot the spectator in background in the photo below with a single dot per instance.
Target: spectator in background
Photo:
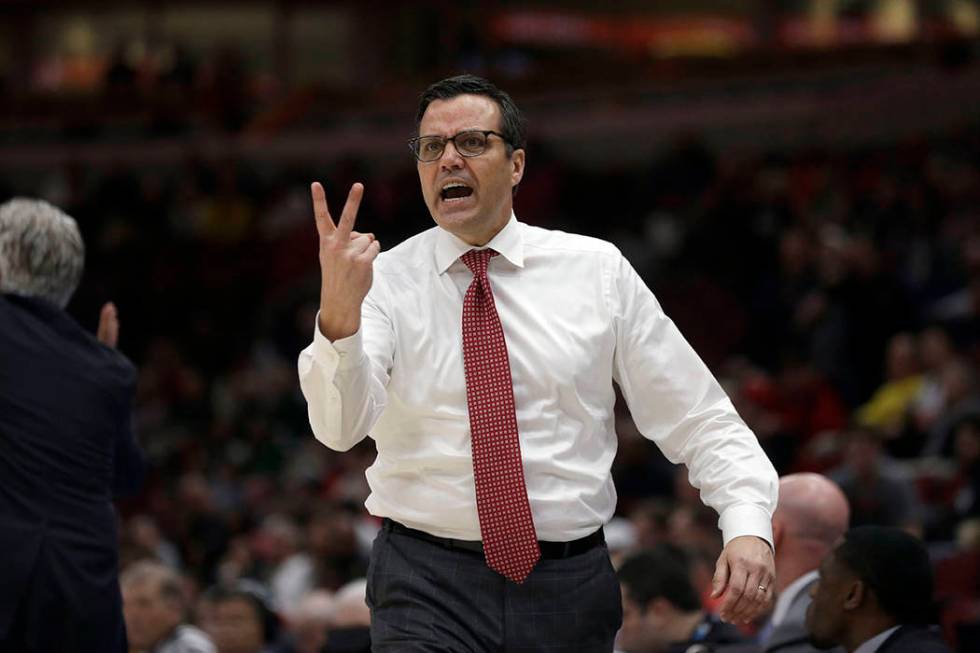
(891, 403)
(238, 617)
(144, 534)
(936, 351)
(291, 569)
(308, 623)
(66, 444)
(662, 612)
(154, 605)
(876, 491)
(875, 595)
(811, 516)
(350, 629)
(333, 545)
(961, 400)
(954, 495)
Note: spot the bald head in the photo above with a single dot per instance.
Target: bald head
(811, 516)
(811, 507)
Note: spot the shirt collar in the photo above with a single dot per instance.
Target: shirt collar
(788, 595)
(873, 644)
(509, 243)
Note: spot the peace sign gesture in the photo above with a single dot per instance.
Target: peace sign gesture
(346, 264)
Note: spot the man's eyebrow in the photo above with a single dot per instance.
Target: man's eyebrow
(461, 131)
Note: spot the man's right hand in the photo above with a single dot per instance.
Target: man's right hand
(346, 264)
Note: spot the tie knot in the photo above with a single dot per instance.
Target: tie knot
(477, 260)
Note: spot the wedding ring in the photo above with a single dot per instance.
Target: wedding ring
(762, 588)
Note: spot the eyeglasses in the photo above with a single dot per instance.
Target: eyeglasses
(469, 143)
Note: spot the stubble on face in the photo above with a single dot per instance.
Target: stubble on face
(488, 178)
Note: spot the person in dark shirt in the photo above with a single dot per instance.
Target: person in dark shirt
(875, 595)
(66, 444)
(661, 609)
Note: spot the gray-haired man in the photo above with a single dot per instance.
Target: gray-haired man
(66, 444)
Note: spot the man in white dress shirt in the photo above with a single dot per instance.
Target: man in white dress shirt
(390, 358)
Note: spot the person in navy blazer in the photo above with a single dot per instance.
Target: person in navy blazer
(66, 444)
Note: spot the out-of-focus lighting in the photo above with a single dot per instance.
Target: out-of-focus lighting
(78, 38)
(965, 16)
(135, 53)
(895, 21)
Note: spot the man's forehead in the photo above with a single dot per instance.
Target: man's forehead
(460, 112)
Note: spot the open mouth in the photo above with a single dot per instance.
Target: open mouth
(455, 191)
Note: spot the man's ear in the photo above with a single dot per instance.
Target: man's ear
(517, 160)
(778, 531)
(855, 595)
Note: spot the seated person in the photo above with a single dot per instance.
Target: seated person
(155, 608)
(661, 609)
(875, 595)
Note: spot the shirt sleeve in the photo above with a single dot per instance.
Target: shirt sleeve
(676, 402)
(344, 381)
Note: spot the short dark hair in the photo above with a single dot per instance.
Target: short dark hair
(254, 594)
(895, 566)
(512, 123)
(663, 571)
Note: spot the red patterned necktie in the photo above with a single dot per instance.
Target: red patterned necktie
(510, 544)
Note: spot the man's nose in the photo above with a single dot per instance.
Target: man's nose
(451, 159)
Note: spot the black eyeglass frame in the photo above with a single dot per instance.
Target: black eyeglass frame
(413, 143)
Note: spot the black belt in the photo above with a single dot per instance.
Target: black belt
(549, 550)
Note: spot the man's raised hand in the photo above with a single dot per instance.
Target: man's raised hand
(108, 331)
(346, 264)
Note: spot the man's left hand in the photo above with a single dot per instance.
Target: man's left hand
(744, 575)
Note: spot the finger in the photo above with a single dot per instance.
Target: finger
(356, 234)
(763, 599)
(751, 600)
(759, 588)
(371, 252)
(360, 244)
(720, 580)
(346, 223)
(324, 223)
(108, 330)
(731, 606)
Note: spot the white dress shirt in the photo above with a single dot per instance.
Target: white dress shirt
(576, 317)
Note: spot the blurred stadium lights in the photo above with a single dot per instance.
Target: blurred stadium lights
(290, 79)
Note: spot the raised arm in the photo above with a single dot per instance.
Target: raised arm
(344, 372)
(346, 264)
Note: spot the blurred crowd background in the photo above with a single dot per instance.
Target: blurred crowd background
(797, 181)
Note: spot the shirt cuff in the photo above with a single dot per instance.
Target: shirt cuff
(343, 353)
(745, 519)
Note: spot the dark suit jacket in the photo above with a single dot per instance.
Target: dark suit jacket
(66, 447)
(914, 639)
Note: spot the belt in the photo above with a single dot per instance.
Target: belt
(549, 550)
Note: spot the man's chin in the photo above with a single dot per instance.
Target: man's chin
(459, 223)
